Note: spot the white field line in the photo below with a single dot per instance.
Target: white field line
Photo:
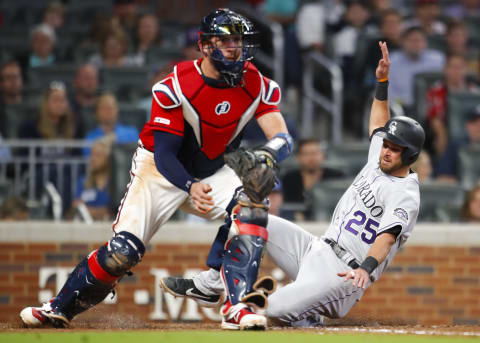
(405, 332)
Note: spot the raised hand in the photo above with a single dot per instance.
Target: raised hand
(384, 64)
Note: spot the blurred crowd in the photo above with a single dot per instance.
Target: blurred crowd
(83, 70)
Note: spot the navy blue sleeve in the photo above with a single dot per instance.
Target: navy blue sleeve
(166, 149)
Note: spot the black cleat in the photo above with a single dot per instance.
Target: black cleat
(180, 287)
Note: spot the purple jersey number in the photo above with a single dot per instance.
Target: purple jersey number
(369, 229)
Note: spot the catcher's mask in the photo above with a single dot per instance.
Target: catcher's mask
(229, 26)
(407, 133)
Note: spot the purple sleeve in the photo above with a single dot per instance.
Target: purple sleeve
(166, 149)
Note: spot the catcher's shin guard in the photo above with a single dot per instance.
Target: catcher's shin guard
(243, 255)
(96, 275)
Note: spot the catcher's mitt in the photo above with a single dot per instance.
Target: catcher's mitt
(256, 171)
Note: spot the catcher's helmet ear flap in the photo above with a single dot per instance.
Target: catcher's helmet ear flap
(223, 23)
(407, 133)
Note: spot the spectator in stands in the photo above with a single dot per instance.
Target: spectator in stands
(125, 14)
(146, 37)
(85, 92)
(457, 39)
(426, 16)
(190, 50)
(311, 26)
(413, 58)
(113, 52)
(446, 167)
(345, 41)
(471, 206)
(298, 183)
(455, 80)
(54, 15)
(11, 83)
(284, 12)
(14, 209)
(100, 27)
(391, 28)
(5, 153)
(379, 7)
(55, 119)
(92, 190)
(42, 46)
(463, 8)
(11, 87)
(106, 111)
(423, 167)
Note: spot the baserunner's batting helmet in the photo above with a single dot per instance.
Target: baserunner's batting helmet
(407, 133)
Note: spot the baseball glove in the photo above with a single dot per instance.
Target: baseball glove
(256, 170)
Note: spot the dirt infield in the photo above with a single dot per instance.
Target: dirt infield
(116, 322)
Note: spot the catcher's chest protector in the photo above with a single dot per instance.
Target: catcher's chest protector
(217, 115)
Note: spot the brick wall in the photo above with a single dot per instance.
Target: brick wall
(424, 284)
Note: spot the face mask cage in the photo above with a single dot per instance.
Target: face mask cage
(238, 37)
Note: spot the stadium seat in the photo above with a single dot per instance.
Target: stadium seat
(448, 213)
(82, 12)
(473, 26)
(422, 82)
(41, 77)
(352, 156)
(459, 105)
(125, 81)
(132, 116)
(121, 161)
(326, 196)
(15, 116)
(14, 42)
(437, 42)
(160, 56)
(469, 166)
(433, 195)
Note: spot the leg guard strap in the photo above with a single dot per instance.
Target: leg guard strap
(81, 292)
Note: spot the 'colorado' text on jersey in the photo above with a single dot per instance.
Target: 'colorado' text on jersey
(210, 119)
(374, 203)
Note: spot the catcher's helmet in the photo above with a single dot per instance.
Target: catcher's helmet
(224, 22)
(407, 133)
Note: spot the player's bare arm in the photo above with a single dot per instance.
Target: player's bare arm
(280, 143)
(379, 251)
(380, 112)
(272, 123)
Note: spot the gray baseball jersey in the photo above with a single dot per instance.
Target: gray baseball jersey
(374, 203)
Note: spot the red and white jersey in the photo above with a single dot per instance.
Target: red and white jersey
(183, 104)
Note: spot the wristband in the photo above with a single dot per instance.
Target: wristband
(382, 80)
(369, 264)
(381, 91)
(280, 146)
(188, 185)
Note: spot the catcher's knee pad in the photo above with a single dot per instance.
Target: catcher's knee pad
(96, 275)
(244, 252)
(120, 254)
